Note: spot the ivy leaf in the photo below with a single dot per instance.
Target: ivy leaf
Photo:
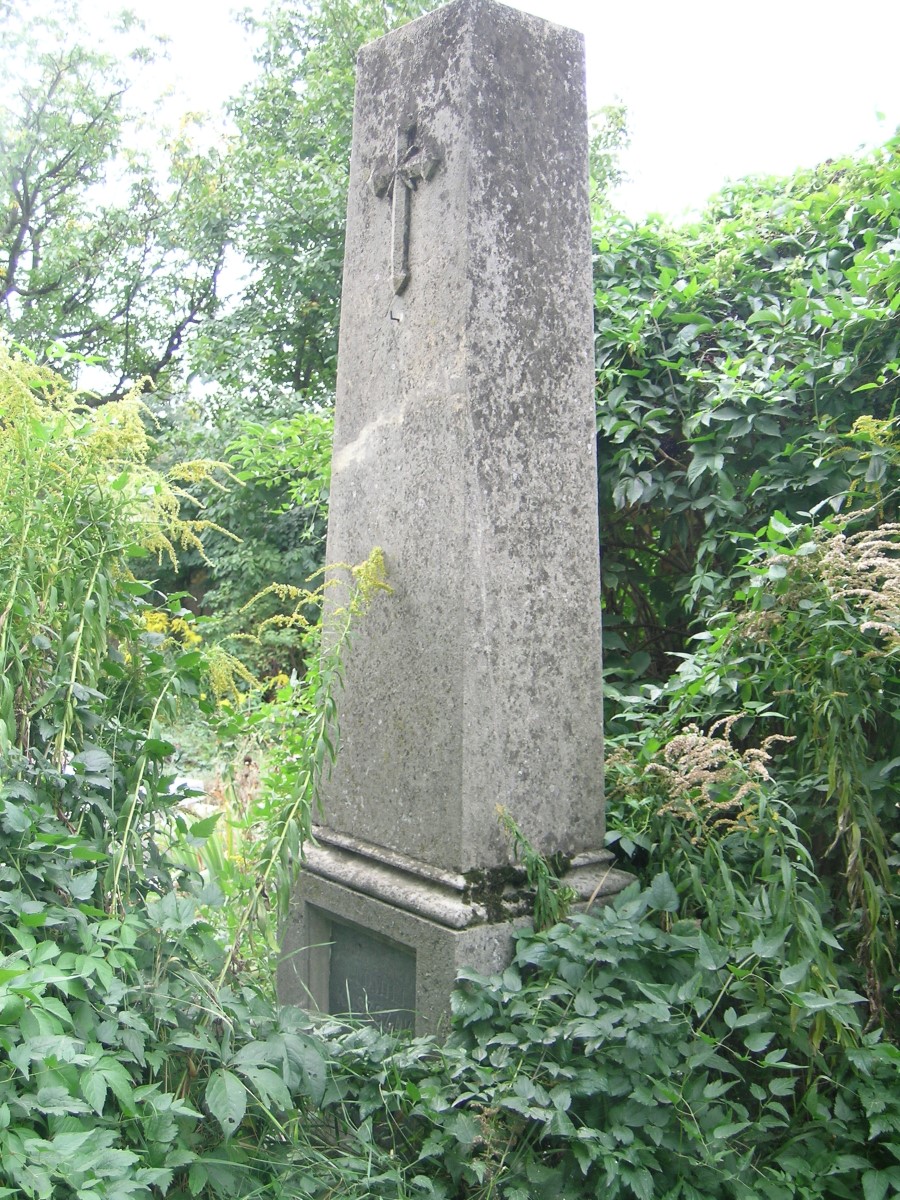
(226, 1099)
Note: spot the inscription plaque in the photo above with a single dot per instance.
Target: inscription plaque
(371, 977)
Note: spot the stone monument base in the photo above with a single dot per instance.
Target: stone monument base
(383, 937)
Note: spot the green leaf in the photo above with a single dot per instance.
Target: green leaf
(729, 1130)
(662, 893)
(782, 1087)
(197, 1177)
(157, 748)
(120, 1083)
(717, 1087)
(710, 956)
(93, 762)
(205, 827)
(758, 1040)
(81, 887)
(814, 1001)
(226, 1099)
(93, 1088)
(15, 820)
(770, 947)
(765, 316)
(875, 1185)
(795, 973)
(269, 1086)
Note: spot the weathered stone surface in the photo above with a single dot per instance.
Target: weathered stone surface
(429, 926)
(308, 976)
(464, 448)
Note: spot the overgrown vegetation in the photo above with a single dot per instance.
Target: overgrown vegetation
(130, 1050)
(746, 365)
(727, 1028)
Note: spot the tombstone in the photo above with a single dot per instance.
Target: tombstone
(464, 448)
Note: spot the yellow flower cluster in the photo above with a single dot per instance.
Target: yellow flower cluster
(366, 580)
(370, 578)
(879, 433)
(107, 450)
(156, 622)
(180, 629)
(225, 673)
(180, 633)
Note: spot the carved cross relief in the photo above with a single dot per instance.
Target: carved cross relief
(415, 161)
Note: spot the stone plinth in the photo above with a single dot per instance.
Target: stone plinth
(464, 448)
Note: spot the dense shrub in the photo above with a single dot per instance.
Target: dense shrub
(746, 364)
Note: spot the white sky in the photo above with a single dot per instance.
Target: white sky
(715, 88)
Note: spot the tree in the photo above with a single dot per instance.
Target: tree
(271, 356)
(291, 169)
(103, 253)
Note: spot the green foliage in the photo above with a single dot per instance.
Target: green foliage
(746, 364)
(293, 454)
(608, 138)
(280, 508)
(721, 1032)
(123, 1070)
(717, 820)
(299, 732)
(552, 899)
(627, 1053)
(78, 503)
(807, 652)
(635, 1054)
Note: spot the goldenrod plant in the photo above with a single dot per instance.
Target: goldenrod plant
(301, 735)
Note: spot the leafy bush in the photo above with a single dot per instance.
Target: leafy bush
(627, 1053)
(744, 365)
(124, 1069)
(805, 657)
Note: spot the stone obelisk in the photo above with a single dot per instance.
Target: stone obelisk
(464, 448)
